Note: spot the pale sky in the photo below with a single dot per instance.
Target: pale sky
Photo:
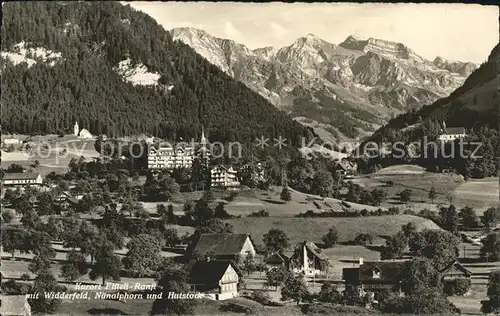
(465, 32)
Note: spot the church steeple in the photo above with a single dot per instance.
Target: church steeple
(76, 129)
(203, 140)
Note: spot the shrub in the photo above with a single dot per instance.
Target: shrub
(261, 213)
(7, 216)
(333, 309)
(25, 277)
(457, 286)
(330, 238)
(12, 287)
(261, 297)
(363, 239)
(241, 306)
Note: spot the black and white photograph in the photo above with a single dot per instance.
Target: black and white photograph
(249, 158)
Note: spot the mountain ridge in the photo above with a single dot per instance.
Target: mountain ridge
(357, 85)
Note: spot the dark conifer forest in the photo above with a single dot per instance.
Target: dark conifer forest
(93, 38)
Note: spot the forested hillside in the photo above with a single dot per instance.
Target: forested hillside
(475, 106)
(83, 84)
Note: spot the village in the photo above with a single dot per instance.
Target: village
(240, 238)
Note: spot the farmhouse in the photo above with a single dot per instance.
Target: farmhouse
(455, 271)
(66, 200)
(217, 279)
(279, 259)
(308, 259)
(452, 133)
(222, 177)
(346, 167)
(375, 277)
(25, 178)
(15, 305)
(225, 246)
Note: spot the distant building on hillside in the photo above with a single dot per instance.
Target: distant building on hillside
(85, 134)
(25, 178)
(346, 167)
(167, 157)
(255, 172)
(11, 141)
(222, 177)
(449, 134)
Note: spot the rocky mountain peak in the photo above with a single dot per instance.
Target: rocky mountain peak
(352, 86)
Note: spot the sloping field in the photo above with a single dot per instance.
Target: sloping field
(313, 229)
(401, 169)
(479, 194)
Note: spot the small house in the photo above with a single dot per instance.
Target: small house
(218, 279)
(279, 259)
(225, 246)
(455, 271)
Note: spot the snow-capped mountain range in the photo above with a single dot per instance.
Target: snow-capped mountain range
(348, 89)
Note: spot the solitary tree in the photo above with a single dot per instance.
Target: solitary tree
(405, 195)
(275, 239)
(492, 305)
(285, 194)
(330, 238)
(491, 247)
(172, 280)
(432, 194)
(107, 264)
(491, 217)
(277, 276)
(74, 267)
(394, 246)
(469, 217)
(295, 289)
(44, 283)
(449, 219)
(143, 256)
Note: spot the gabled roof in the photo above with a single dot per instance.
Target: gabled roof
(389, 270)
(21, 176)
(315, 250)
(455, 130)
(275, 258)
(210, 272)
(457, 265)
(221, 244)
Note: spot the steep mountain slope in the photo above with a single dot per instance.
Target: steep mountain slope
(358, 84)
(475, 105)
(117, 72)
